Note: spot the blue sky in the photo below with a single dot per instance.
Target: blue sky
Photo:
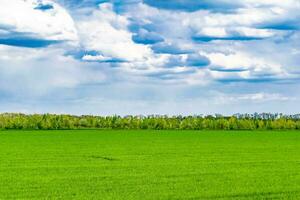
(149, 56)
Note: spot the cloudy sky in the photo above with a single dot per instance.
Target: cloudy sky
(149, 56)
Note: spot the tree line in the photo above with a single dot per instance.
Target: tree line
(62, 122)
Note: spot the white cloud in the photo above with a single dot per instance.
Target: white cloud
(98, 58)
(21, 18)
(37, 72)
(260, 97)
(106, 32)
(244, 60)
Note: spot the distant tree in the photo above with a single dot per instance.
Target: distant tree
(218, 122)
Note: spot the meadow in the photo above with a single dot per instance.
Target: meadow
(149, 164)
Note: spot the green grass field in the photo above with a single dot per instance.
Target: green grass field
(91, 164)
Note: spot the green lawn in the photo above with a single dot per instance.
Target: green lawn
(91, 164)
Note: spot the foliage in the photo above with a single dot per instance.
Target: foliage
(61, 122)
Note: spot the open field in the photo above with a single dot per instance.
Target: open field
(92, 164)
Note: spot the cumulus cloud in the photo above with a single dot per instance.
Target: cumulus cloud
(106, 32)
(34, 23)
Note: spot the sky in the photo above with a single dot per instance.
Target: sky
(131, 57)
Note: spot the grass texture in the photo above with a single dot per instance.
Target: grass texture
(110, 164)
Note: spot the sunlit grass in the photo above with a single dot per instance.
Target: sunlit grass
(93, 164)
